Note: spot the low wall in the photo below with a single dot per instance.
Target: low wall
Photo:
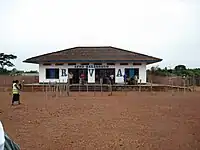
(92, 88)
(6, 80)
(175, 80)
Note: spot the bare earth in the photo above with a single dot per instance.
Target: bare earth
(137, 121)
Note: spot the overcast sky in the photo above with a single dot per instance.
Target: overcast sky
(169, 29)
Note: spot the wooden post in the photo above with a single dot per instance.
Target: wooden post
(125, 90)
(68, 87)
(140, 86)
(151, 86)
(32, 87)
(46, 92)
(49, 89)
(101, 84)
(87, 87)
(194, 83)
(94, 89)
(110, 90)
(43, 86)
(172, 87)
(56, 90)
(79, 88)
(184, 86)
(59, 85)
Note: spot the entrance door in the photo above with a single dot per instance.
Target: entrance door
(76, 74)
(131, 73)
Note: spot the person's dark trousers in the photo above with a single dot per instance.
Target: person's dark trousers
(70, 81)
(16, 98)
(10, 144)
(112, 81)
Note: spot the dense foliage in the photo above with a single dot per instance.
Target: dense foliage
(179, 70)
(5, 60)
(5, 64)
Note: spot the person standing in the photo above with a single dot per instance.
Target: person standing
(82, 77)
(136, 79)
(125, 78)
(6, 143)
(2, 138)
(112, 78)
(70, 77)
(15, 92)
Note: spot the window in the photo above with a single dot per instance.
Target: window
(52, 73)
(131, 72)
(85, 64)
(72, 64)
(137, 64)
(97, 63)
(59, 64)
(46, 64)
(111, 64)
(123, 63)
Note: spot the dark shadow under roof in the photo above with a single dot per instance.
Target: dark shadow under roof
(93, 54)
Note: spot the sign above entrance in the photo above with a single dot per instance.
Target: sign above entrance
(91, 66)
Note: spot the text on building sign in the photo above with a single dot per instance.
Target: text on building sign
(91, 66)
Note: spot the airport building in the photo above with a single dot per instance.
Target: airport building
(94, 62)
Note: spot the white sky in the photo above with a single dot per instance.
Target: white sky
(169, 29)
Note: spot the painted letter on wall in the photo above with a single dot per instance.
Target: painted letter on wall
(91, 75)
(63, 73)
(119, 73)
(91, 71)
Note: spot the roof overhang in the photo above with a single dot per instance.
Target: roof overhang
(94, 61)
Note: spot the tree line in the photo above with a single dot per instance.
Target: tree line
(6, 63)
(179, 70)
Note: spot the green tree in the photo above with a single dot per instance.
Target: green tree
(5, 60)
(180, 68)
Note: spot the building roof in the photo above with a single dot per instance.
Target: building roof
(93, 54)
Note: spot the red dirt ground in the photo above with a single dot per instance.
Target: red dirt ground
(136, 121)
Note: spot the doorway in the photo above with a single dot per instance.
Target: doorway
(77, 73)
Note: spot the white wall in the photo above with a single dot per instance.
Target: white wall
(42, 73)
(118, 79)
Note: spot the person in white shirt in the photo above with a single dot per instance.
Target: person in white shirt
(112, 78)
(6, 143)
(2, 137)
(70, 76)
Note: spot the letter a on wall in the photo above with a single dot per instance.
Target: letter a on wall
(119, 73)
(91, 71)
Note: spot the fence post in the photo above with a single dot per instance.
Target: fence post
(87, 87)
(194, 84)
(79, 88)
(140, 86)
(101, 84)
(46, 92)
(68, 87)
(172, 85)
(184, 85)
(32, 87)
(111, 89)
(125, 90)
(94, 89)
